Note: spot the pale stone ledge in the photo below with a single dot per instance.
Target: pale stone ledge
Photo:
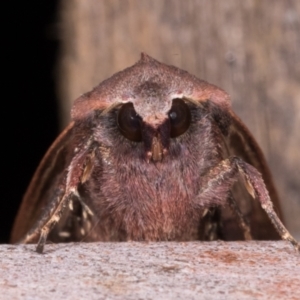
(169, 270)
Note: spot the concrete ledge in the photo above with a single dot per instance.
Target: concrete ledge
(169, 270)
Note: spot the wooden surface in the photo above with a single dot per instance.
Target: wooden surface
(194, 270)
(249, 48)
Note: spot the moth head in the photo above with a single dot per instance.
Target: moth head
(150, 104)
(153, 127)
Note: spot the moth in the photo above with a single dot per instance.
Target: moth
(152, 154)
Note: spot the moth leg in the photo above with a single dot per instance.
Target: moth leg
(243, 222)
(256, 187)
(52, 215)
(54, 219)
(220, 179)
(54, 199)
(71, 181)
(85, 207)
(85, 218)
(209, 225)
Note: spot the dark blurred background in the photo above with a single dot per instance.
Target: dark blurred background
(29, 104)
(61, 49)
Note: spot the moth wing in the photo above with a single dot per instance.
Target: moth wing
(240, 142)
(44, 179)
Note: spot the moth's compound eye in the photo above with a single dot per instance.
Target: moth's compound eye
(129, 123)
(180, 117)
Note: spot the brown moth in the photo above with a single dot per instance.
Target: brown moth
(151, 154)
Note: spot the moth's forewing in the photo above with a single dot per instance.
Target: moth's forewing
(241, 143)
(42, 184)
